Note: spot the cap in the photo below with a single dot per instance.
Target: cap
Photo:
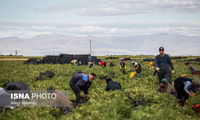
(161, 48)
(136, 64)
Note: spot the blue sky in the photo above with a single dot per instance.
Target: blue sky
(126, 21)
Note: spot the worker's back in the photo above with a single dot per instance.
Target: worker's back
(113, 85)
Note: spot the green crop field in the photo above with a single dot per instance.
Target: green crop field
(102, 105)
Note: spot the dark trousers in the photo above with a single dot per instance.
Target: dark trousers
(1, 109)
(123, 70)
(138, 70)
(165, 73)
(75, 92)
(181, 94)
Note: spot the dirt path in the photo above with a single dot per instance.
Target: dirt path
(12, 59)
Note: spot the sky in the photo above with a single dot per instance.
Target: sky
(123, 27)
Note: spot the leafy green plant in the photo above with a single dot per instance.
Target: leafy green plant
(101, 105)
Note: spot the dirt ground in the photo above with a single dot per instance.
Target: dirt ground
(12, 59)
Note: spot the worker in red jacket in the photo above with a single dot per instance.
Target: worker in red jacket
(103, 64)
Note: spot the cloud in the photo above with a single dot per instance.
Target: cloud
(99, 30)
(64, 7)
(43, 27)
(128, 7)
(123, 7)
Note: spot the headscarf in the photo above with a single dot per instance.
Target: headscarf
(164, 80)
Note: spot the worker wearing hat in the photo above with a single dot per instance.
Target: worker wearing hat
(137, 67)
(165, 87)
(163, 64)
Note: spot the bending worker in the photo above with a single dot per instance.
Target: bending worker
(81, 82)
(165, 87)
(185, 88)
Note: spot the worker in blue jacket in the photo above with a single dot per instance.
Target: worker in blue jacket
(163, 64)
(81, 82)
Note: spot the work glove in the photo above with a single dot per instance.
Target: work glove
(81, 95)
(173, 71)
(157, 69)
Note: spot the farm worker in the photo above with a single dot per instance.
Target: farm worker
(90, 65)
(185, 87)
(112, 85)
(103, 64)
(45, 74)
(16, 86)
(162, 65)
(137, 68)
(90, 59)
(5, 99)
(2, 90)
(61, 101)
(21, 87)
(193, 70)
(73, 62)
(166, 87)
(150, 65)
(123, 66)
(78, 63)
(133, 62)
(81, 82)
(111, 64)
